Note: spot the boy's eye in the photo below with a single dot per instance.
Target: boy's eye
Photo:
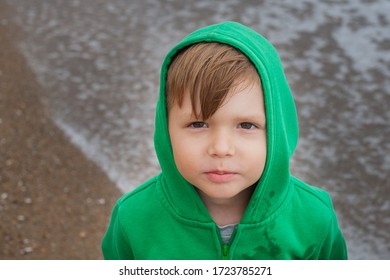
(247, 125)
(198, 125)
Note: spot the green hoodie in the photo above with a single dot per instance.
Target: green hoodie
(165, 218)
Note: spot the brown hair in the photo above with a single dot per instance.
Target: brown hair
(206, 71)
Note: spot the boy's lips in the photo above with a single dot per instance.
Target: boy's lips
(217, 176)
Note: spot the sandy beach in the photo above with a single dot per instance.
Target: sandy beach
(54, 202)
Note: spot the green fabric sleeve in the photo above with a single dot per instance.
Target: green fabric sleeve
(115, 245)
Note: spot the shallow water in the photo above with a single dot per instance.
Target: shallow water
(99, 63)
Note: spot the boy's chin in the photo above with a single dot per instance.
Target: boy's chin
(221, 196)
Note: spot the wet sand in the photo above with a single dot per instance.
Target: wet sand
(54, 202)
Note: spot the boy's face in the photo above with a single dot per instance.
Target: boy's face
(225, 154)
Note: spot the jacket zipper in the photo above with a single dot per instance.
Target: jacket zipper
(226, 246)
(225, 251)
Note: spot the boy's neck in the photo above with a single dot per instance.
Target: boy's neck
(227, 212)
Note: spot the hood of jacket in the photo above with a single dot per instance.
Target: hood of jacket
(282, 128)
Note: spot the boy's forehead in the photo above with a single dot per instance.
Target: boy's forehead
(207, 72)
(243, 89)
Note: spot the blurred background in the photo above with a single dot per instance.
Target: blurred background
(78, 86)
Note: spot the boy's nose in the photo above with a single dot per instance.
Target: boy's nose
(221, 145)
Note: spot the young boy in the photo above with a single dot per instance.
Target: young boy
(226, 128)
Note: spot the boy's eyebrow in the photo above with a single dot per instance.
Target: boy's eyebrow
(258, 118)
(253, 117)
(187, 115)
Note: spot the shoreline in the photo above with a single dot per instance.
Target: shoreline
(54, 202)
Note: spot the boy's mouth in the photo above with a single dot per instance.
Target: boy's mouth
(217, 176)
